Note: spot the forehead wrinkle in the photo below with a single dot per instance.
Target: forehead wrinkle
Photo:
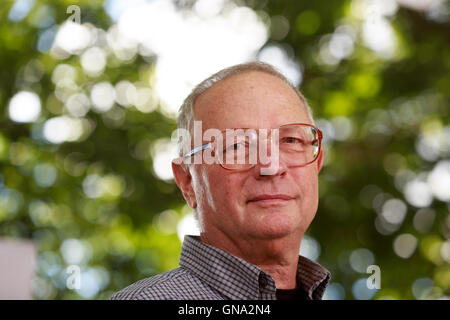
(243, 91)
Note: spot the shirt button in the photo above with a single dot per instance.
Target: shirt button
(262, 281)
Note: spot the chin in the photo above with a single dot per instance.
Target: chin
(277, 226)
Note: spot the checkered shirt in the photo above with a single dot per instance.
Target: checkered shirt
(208, 273)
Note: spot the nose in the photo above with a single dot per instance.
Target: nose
(274, 167)
(269, 160)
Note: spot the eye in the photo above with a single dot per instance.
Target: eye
(293, 140)
(235, 146)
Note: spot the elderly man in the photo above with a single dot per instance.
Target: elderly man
(252, 214)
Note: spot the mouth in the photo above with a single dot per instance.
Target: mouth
(270, 199)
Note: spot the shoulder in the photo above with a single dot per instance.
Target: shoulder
(176, 284)
(150, 288)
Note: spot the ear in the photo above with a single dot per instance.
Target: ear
(183, 179)
(320, 160)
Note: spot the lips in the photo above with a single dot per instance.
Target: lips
(271, 197)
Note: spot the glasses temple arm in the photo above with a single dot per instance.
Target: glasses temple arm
(197, 149)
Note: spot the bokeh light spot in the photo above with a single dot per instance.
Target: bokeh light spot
(405, 245)
(24, 106)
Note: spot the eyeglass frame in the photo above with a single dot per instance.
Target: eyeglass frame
(209, 144)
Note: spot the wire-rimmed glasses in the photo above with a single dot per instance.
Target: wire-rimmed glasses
(297, 144)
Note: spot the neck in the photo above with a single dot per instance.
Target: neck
(276, 256)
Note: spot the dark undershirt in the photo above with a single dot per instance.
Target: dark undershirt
(291, 294)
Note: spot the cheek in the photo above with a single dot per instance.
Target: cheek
(227, 190)
(307, 183)
(216, 190)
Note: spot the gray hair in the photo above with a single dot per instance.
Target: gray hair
(186, 112)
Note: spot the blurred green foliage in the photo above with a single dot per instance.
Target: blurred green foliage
(386, 115)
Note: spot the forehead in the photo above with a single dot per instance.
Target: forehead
(251, 99)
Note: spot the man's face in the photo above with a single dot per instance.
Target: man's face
(223, 197)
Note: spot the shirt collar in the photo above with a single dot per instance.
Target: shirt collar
(312, 278)
(237, 279)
